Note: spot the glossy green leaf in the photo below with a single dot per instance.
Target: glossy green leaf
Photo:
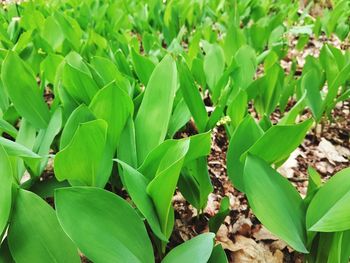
(80, 161)
(195, 250)
(18, 150)
(109, 229)
(113, 105)
(77, 79)
(79, 115)
(136, 185)
(275, 202)
(246, 134)
(143, 66)
(214, 64)
(329, 209)
(156, 107)
(291, 135)
(24, 91)
(310, 82)
(218, 255)
(35, 234)
(162, 187)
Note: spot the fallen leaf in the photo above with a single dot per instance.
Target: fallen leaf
(326, 149)
(246, 250)
(264, 234)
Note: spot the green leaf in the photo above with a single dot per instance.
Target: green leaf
(103, 225)
(180, 116)
(245, 135)
(45, 137)
(310, 82)
(216, 221)
(214, 64)
(79, 115)
(18, 150)
(143, 66)
(8, 128)
(5, 189)
(162, 187)
(113, 105)
(314, 182)
(291, 135)
(245, 59)
(195, 250)
(80, 162)
(218, 255)
(156, 108)
(52, 33)
(24, 91)
(275, 202)
(192, 96)
(195, 175)
(329, 209)
(77, 79)
(50, 65)
(136, 185)
(35, 234)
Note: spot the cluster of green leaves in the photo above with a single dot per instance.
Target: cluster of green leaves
(103, 88)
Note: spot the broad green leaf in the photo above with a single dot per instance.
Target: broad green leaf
(237, 108)
(195, 250)
(24, 91)
(233, 41)
(103, 225)
(199, 146)
(291, 135)
(79, 115)
(50, 65)
(218, 255)
(192, 96)
(80, 161)
(245, 135)
(113, 105)
(275, 202)
(77, 79)
(70, 28)
(195, 182)
(136, 185)
(310, 82)
(180, 116)
(329, 209)
(35, 234)
(162, 187)
(151, 123)
(143, 66)
(214, 64)
(245, 60)
(106, 72)
(5, 189)
(52, 33)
